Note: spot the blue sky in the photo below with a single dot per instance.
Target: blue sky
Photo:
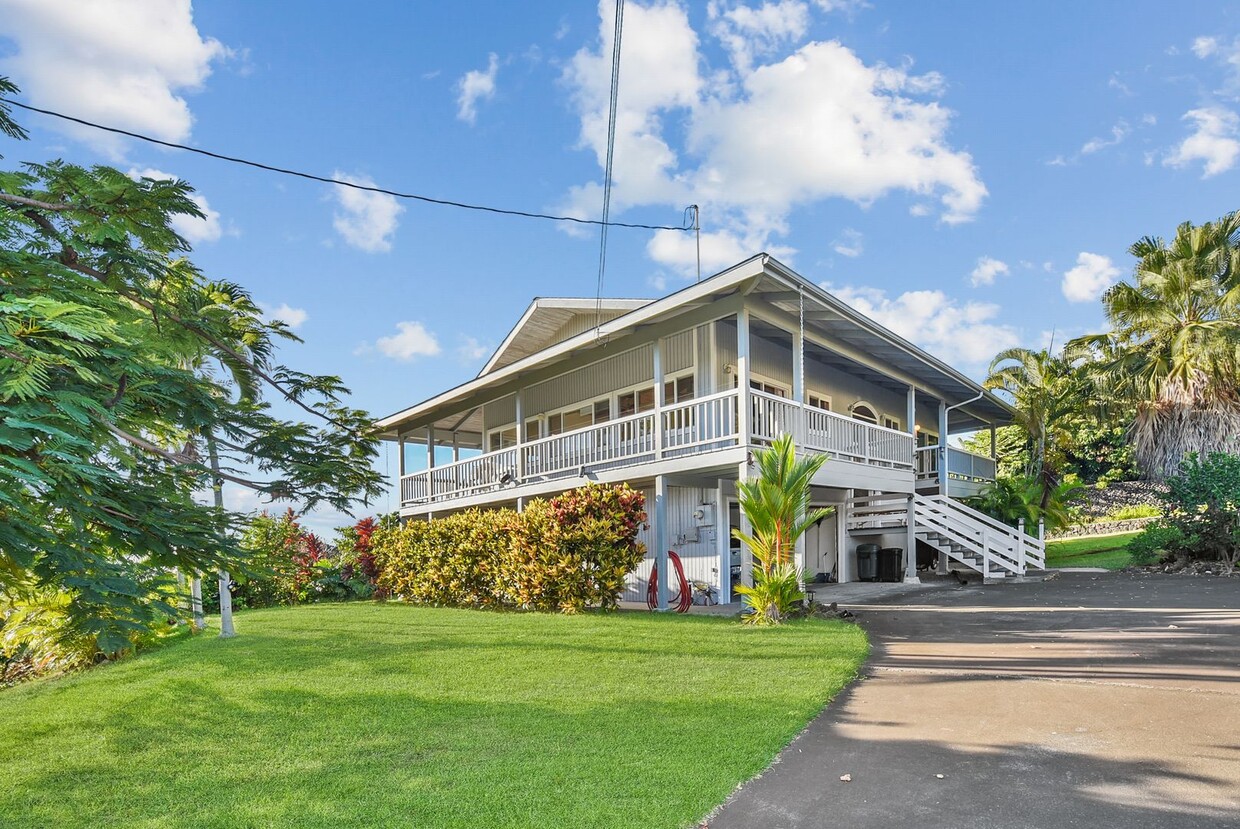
(970, 174)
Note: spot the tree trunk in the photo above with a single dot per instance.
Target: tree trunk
(217, 486)
(195, 601)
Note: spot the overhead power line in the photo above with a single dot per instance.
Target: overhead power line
(326, 180)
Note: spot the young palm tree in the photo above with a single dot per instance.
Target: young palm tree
(1044, 389)
(776, 504)
(1174, 348)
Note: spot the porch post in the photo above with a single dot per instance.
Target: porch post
(400, 468)
(843, 561)
(723, 541)
(943, 447)
(746, 555)
(742, 381)
(456, 446)
(430, 461)
(798, 389)
(520, 409)
(660, 539)
(910, 545)
(659, 398)
(993, 445)
(912, 411)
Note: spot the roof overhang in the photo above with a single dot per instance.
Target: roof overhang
(544, 317)
(842, 330)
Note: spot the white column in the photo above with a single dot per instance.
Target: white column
(400, 468)
(456, 447)
(942, 447)
(520, 411)
(910, 546)
(844, 561)
(742, 378)
(798, 389)
(430, 461)
(659, 397)
(993, 439)
(723, 541)
(912, 411)
(746, 555)
(661, 539)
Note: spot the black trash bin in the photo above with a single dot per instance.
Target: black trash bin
(889, 561)
(867, 562)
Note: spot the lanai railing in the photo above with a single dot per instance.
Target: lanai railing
(693, 427)
(961, 465)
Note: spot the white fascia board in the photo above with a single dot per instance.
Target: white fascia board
(735, 275)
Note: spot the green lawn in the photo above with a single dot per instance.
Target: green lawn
(391, 715)
(1107, 551)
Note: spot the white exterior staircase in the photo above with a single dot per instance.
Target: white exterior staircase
(965, 538)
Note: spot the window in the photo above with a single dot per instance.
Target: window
(532, 429)
(678, 390)
(891, 422)
(925, 438)
(578, 418)
(555, 424)
(865, 412)
(602, 410)
(768, 388)
(503, 438)
(820, 401)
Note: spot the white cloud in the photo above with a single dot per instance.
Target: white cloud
(124, 63)
(471, 350)
(367, 221)
(986, 271)
(1203, 47)
(1092, 275)
(849, 244)
(720, 249)
(410, 340)
(292, 317)
(832, 126)
(474, 86)
(193, 229)
(1213, 141)
(1118, 133)
(965, 334)
(1118, 85)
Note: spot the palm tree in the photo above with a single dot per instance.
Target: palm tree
(1174, 348)
(229, 307)
(776, 504)
(1044, 389)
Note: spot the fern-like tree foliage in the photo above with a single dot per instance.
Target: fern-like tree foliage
(119, 362)
(1174, 348)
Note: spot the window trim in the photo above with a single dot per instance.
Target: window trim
(852, 412)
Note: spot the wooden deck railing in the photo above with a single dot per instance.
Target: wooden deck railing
(961, 465)
(693, 427)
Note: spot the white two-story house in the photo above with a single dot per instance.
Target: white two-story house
(674, 395)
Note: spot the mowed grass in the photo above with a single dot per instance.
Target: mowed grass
(1107, 551)
(391, 715)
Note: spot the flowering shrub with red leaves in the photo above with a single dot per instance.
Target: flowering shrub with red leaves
(566, 554)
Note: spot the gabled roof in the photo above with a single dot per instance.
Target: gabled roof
(549, 320)
(850, 335)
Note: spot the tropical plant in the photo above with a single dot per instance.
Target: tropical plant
(776, 505)
(1017, 498)
(1203, 509)
(102, 420)
(1045, 390)
(1174, 348)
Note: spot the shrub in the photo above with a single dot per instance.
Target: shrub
(776, 592)
(1204, 505)
(1133, 511)
(566, 554)
(1157, 541)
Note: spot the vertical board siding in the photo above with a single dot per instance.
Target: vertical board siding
(580, 324)
(678, 352)
(499, 412)
(590, 382)
(694, 543)
(725, 353)
(772, 359)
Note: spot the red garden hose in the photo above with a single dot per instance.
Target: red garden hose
(684, 597)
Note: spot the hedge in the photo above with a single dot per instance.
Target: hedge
(564, 554)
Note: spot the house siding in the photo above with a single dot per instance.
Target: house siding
(693, 541)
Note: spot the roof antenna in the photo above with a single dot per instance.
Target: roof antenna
(607, 169)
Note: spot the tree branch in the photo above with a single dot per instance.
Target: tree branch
(41, 205)
(180, 459)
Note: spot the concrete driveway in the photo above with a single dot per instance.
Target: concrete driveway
(1099, 700)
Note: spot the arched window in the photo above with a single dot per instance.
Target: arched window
(864, 411)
